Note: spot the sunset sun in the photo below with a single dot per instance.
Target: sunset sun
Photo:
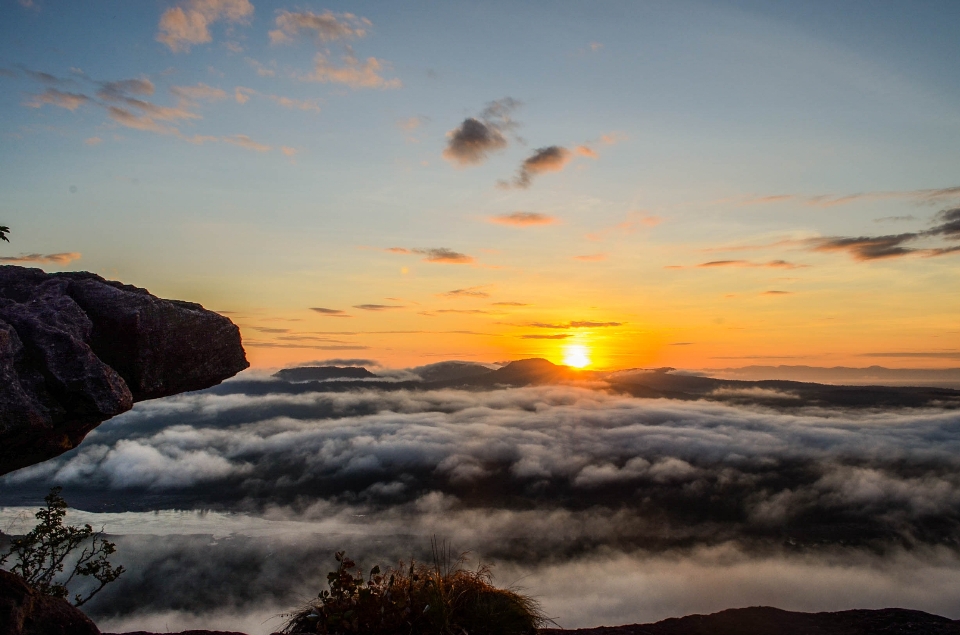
(576, 355)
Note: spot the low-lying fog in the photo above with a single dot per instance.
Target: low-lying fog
(227, 505)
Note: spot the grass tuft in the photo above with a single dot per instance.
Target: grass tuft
(443, 598)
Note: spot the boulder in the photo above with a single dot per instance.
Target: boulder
(76, 349)
(26, 611)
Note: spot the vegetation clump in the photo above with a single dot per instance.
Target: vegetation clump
(43, 553)
(439, 599)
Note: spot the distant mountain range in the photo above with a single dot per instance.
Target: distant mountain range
(657, 383)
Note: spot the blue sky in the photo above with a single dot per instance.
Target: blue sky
(692, 130)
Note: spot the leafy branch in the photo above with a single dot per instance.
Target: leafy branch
(42, 554)
(4, 230)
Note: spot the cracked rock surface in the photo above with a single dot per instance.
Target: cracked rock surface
(76, 349)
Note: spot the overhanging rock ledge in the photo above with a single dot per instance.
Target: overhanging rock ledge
(76, 349)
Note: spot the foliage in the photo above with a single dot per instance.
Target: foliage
(42, 554)
(441, 599)
(4, 230)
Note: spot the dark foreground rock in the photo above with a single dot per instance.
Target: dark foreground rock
(26, 611)
(765, 620)
(76, 349)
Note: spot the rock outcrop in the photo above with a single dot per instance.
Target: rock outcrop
(76, 349)
(26, 611)
(766, 620)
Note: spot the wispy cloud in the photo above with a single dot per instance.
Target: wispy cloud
(916, 354)
(591, 257)
(54, 97)
(895, 245)
(378, 307)
(576, 324)
(244, 141)
(352, 72)
(469, 292)
(330, 312)
(58, 259)
(476, 137)
(558, 336)
(189, 22)
(770, 264)
(199, 92)
(547, 159)
(436, 254)
(523, 219)
(324, 27)
(830, 200)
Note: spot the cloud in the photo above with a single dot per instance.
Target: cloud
(510, 304)
(262, 71)
(352, 72)
(54, 97)
(777, 293)
(188, 23)
(317, 347)
(229, 502)
(325, 27)
(246, 142)
(867, 248)
(378, 307)
(64, 258)
(579, 324)
(591, 257)
(523, 219)
(548, 159)
(340, 361)
(437, 254)
(586, 151)
(916, 354)
(200, 92)
(771, 264)
(312, 105)
(475, 138)
(242, 95)
(288, 151)
(93, 141)
(469, 292)
(411, 123)
(330, 312)
(926, 196)
(558, 336)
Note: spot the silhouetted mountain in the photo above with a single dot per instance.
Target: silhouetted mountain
(871, 375)
(320, 373)
(765, 620)
(450, 371)
(780, 393)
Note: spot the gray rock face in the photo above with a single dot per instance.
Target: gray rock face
(76, 349)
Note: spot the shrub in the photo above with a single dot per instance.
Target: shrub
(42, 554)
(418, 599)
(4, 230)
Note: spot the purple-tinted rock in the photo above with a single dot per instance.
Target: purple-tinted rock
(26, 611)
(76, 349)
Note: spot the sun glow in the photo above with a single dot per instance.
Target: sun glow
(576, 355)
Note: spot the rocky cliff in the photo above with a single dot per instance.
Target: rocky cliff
(76, 349)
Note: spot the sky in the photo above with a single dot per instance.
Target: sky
(692, 184)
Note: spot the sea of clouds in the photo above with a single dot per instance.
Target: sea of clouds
(228, 504)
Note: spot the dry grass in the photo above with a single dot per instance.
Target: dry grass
(417, 599)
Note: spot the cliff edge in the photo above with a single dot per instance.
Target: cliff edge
(76, 349)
